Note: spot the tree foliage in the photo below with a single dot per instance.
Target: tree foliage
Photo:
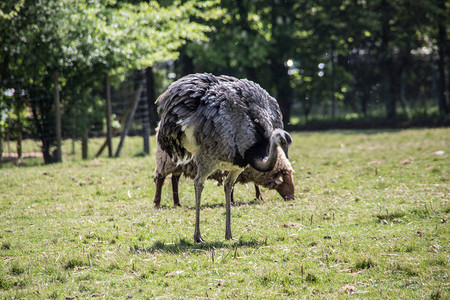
(346, 53)
(83, 40)
(321, 56)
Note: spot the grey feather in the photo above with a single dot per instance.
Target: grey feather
(219, 121)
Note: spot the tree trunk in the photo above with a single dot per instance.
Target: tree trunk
(307, 106)
(333, 83)
(57, 117)
(386, 92)
(8, 143)
(1, 140)
(364, 102)
(19, 145)
(41, 111)
(73, 147)
(130, 119)
(18, 129)
(187, 64)
(108, 115)
(386, 62)
(402, 97)
(84, 145)
(151, 98)
(243, 11)
(442, 40)
(281, 84)
(280, 77)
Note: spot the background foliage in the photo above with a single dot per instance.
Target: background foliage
(376, 62)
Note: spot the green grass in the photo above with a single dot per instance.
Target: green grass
(369, 219)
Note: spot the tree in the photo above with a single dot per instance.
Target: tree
(83, 40)
(245, 44)
(364, 48)
(398, 30)
(442, 20)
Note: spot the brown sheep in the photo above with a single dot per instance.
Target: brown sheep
(280, 178)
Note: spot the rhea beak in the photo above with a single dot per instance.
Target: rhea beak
(286, 152)
(289, 141)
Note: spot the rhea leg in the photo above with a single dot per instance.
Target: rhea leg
(204, 169)
(228, 186)
(198, 185)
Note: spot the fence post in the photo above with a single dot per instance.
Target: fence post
(129, 120)
(57, 116)
(84, 144)
(146, 125)
(18, 107)
(1, 140)
(108, 115)
(151, 92)
(146, 134)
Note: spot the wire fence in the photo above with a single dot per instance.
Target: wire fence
(28, 113)
(122, 100)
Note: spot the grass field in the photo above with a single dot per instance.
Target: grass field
(370, 219)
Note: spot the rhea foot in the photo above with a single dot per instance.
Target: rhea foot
(198, 238)
(228, 235)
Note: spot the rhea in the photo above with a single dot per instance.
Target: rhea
(223, 123)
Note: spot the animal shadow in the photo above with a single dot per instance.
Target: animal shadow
(184, 245)
(254, 201)
(220, 205)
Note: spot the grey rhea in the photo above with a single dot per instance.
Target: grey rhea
(223, 123)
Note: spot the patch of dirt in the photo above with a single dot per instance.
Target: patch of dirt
(24, 155)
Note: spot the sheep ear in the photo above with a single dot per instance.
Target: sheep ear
(278, 179)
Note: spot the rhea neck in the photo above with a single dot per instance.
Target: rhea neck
(268, 163)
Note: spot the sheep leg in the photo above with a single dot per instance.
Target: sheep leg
(228, 186)
(258, 194)
(176, 199)
(159, 181)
